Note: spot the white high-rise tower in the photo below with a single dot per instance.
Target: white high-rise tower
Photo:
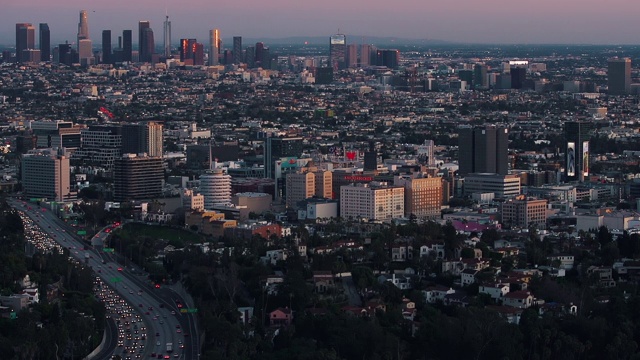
(167, 37)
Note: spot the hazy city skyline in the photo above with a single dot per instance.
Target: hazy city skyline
(462, 21)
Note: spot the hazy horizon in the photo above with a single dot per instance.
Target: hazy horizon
(457, 21)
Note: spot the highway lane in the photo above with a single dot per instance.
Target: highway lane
(123, 285)
(131, 287)
(111, 341)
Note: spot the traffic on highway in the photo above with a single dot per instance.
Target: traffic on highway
(148, 320)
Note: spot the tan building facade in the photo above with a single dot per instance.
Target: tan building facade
(422, 195)
(522, 212)
(376, 201)
(305, 185)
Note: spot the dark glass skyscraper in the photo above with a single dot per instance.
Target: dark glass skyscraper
(106, 47)
(237, 49)
(127, 47)
(45, 42)
(483, 150)
(619, 73)
(146, 43)
(338, 51)
(25, 39)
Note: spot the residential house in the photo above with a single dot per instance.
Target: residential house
(408, 309)
(519, 299)
(323, 281)
(436, 293)
(401, 281)
(433, 248)
(401, 253)
(281, 317)
(246, 314)
(602, 275)
(565, 261)
(273, 256)
(511, 314)
(496, 291)
(468, 276)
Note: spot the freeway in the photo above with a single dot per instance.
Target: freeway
(159, 310)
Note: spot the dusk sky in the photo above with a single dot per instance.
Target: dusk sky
(466, 21)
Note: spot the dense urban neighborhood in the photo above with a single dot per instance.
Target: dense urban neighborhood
(432, 202)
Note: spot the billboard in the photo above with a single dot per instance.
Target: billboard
(289, 162)
(571, 159)
(585, 158)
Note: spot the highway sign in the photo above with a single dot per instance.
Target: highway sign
(116, 279)
(82, 232)
(189, 311)
(108, 250)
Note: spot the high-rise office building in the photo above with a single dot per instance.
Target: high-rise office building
(237, 49)
(106, 47)
(45, 42)
(214, 50)
(577, 134)
(83, 26)
(146, 43)
(143, 138)
(46, 174)
(85, 46)
(259, 50)
(101, 145)
(198, 54)
(518, 77)
(137, 177)
(304, 185)
(154, 138)
(85, 52)
(338, 51)
(167, 37)
(215, 186)
(25, 39)
(389, 58)
(522, 212)
(366, 201)
(250, 56)
(127, 45)
(276, 148)
(56, 134)
(619, 73)
(483, 150)
(352, 55)
(187, 50)
(480, 79)
(365, 55)
(422, 195)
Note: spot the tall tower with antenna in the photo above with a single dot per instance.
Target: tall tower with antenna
(167, 35)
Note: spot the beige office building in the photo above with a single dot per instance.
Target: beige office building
(374, 201)
(46, 175)
(422, 195)
(523, 212)
(304, 185)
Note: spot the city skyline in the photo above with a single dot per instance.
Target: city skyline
(462, 21)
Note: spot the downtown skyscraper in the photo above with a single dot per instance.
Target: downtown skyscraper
(45, 42)
(619, 74)
(167, 37)
(25, 40)
(237, 49)
(106, 47)
(338, 52)
(483, 150)
(85, 46)
(146, 43)
(214, 46)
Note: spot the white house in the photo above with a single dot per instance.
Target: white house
(519, 299)
(496, 291)
(468, 276)
(436, 293)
